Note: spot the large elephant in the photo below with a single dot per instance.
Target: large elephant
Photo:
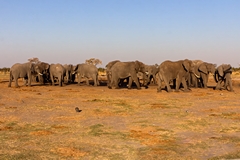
(223, 74)
(108, 71)
(43, 68)
(151, 71)
(70, 76)
(201, 74)
(87, 71)
(122, 70)
(22, 70)
(57, 71)
(177, 70)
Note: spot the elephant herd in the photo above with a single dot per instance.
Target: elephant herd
(180, 74)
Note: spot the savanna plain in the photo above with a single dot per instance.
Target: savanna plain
(40, 122)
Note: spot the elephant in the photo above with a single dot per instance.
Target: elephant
(44, 70)
(201, 73)
(151, 71)
(108, 71)
(70, 76)
(122, 70)
(174, 70)
(223, 74)
(87, 71)
(22, 70)
(57, 71)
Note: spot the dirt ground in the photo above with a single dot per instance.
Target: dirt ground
(40, 122)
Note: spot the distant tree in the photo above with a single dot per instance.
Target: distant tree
(101, 69)
(34, 60)
(93, 61)
(4, 69)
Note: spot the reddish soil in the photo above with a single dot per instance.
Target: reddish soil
(40, 122)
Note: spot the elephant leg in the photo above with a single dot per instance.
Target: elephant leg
(204, 80)
(178, 82)
(130, 82)
(228, 82)
(16, 82)
(154, 79)
(87, 81)
(185, 85)
(97, 81)
(94, 77)
(29, 79)
(166, 81)
(135, 79)
(79, 79)
(60, 80)
(10, 80)
(218, 86)
(51, 76)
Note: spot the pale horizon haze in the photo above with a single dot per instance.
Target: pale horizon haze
(71, 31)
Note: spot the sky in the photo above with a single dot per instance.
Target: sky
(151, 31)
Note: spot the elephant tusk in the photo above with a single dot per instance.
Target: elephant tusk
(40, 74)
(196, 75)
(73, 72)
(147, 73)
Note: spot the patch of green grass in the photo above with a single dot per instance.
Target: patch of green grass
(230, 129)
(234, 155)
(232, 139)
(96, 130)
(176, 114)
(27, 154)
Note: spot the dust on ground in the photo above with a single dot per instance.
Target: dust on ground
(40, 122)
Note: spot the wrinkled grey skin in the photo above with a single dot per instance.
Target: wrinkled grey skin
(69, 73)
(57, 71)
(87, 71)
(44, 70)
(201, 73)
(178, 70)
(151, 70)
(223, 74)
(122, 70)
(108, 71)
(22, 70)
(194, 80)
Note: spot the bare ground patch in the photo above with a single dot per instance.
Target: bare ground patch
(41, 123)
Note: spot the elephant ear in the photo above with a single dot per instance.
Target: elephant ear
(137, 66)
(186, 65)
(220, 70)
(31, 67)
(211, 68)
(227, 68)
(47, 66)
(203, 68)
(75, 67)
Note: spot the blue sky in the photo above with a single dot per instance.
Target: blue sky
(152, 31)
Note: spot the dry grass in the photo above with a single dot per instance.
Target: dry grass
(41, 123)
